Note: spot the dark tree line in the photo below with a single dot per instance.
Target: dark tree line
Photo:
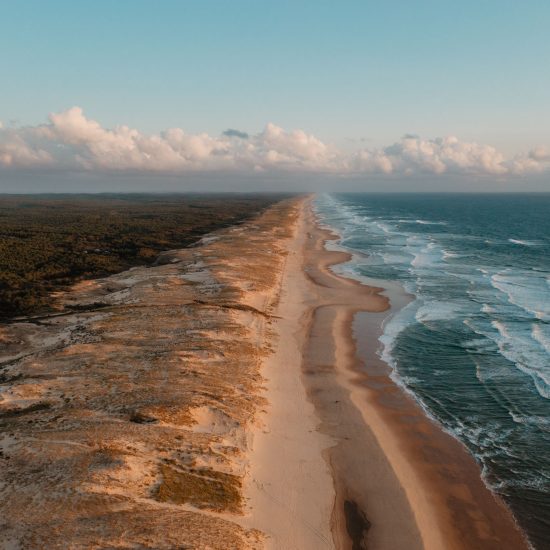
(49, 242)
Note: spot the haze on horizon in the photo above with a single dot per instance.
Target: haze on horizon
(177, 96)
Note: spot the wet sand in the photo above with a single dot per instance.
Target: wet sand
(398, 480)
(409, 483)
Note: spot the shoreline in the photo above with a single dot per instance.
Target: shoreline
(452, 506)
(399, 480)
(268, 420)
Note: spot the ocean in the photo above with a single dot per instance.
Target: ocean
(473, 344)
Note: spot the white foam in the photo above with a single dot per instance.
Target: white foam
(526, 291)
(541, 334)
(427, 222)
(427, 256)
(385, 227)
(392, 328)
(438, 311)
(392, 258)
(518, 348)
(447, 254)
(530, 419)
(524, 243)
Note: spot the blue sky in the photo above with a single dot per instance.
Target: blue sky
(351, 73)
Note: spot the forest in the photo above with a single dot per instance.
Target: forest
(48, 242)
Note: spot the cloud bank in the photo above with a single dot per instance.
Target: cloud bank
(71, 141)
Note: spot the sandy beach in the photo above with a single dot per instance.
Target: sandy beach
(220, 400)
(390, 477)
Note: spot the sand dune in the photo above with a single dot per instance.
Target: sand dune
(124, 417)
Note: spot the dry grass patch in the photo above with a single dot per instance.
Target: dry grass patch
(202, 488)
(177, 415)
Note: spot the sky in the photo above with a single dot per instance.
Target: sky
(169, 95)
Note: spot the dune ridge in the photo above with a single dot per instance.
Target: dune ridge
(124, 416)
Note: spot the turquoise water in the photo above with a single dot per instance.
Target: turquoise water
(473, 346)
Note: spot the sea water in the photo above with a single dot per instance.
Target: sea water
(473, 346)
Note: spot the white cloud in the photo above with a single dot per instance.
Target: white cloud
(70, 140)
(540, 154)
(16, 151)
(448, 154)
